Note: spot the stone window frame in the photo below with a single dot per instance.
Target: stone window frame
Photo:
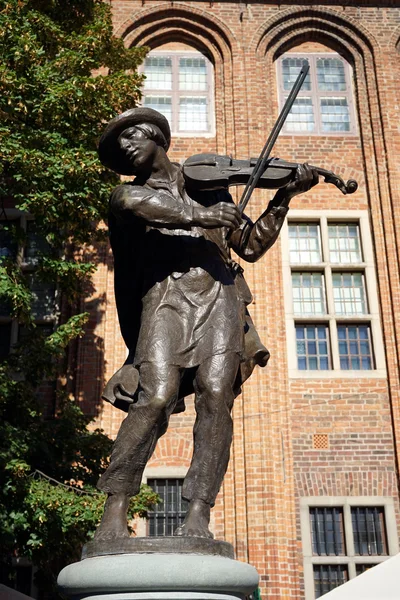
(315, 94)
(367, 267)
(175, 55)
(15, 215)
(349, 559)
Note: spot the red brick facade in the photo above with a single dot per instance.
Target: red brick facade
(273, 462)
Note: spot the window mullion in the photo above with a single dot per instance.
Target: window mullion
(378, 537)
(332, 320)
(315, 94)
(317, 112)
(19, 259)
(329, 295)
(324, 238)
(14, 333)
(329, 291)
(352, 569)
(348, 531)
(334, 344)
(175, 92)
(349, 95)
(209, 114)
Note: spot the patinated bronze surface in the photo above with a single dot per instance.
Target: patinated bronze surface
(182, 304)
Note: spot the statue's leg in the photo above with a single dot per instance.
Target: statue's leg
(212, 440)
(147, 420)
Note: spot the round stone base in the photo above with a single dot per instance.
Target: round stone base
(157, 576)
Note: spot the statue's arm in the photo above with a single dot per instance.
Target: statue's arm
(156, 208)
(252, 240)
(160, 209)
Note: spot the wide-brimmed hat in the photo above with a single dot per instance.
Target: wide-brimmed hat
(109, 150)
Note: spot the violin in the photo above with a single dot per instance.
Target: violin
(206, 172)
(214, 172)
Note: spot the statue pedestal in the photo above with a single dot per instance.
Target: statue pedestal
(158, 569)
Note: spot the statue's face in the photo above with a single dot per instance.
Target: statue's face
(139, 149)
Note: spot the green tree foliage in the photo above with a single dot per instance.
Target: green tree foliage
(62, 77)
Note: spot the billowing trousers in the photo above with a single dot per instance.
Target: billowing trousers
(147, 421)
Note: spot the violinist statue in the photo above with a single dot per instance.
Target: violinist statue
(182, 302)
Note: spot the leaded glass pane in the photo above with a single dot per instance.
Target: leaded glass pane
(349, 293)
(193, 113)
(327, 531)
(312, 346)
(361, 568)
(335, 114)
(304, 243)
(43, 303)
(329, 577)
(158, 71)
(161, 103)
(301, 116)
(192, 74)
(308, 293)
(369, 531)
(331, 75)
(170, 512)
(290, 70)
(344, 243)
(35, 244)
(355, 347)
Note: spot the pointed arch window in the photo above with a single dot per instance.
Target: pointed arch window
(325, 104)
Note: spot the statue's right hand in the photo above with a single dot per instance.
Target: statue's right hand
(223, 214)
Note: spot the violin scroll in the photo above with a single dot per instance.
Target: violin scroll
(351, 186)
(348, 187)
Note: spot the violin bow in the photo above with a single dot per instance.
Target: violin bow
(260, 165)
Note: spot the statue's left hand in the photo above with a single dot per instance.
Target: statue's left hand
(305, 179)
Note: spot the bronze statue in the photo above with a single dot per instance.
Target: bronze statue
(181, 303)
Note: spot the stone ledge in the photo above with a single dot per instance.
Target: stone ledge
(163, 545)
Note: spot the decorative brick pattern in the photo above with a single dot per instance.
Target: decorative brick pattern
(320, 441)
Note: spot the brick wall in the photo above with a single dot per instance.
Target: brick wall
(273, 461)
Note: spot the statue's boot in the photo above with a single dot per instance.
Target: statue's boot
(196, 521)
(114, 521)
